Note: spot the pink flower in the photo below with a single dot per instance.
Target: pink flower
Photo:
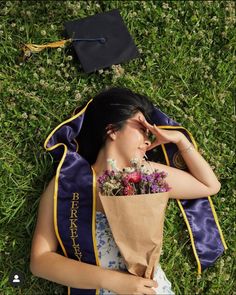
(128, 190)
(134, 177)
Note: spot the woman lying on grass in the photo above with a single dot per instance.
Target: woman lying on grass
(116, 125)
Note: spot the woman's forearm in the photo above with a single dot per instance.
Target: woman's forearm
(69, 272)
(197, 165)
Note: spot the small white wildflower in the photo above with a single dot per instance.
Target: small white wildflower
(21, 29)
(165, 5)
(58, 73)
(222, 263)
(52, 27)
(33, 117)
(28, 13)
(41, 69)
(100, 71)
(233, 117)
(214, 18)
(43, 33)
(227, 277)
(69, 57)
(24, 116)
(13, 25)
(59, 49)
(118, 70)
(228, 258)
(78, 96)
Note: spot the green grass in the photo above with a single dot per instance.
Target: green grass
(186, 67)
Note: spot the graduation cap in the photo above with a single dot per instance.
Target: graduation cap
(99, 41)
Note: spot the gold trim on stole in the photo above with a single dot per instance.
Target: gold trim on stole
(181, 207)
(58, 173)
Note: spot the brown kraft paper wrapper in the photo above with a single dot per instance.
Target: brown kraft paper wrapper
(136, 222)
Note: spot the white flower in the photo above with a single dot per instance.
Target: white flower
(24, 116)
(112, 163)
(134, 161)
(145, 169)
(129, 169)
(43, 33)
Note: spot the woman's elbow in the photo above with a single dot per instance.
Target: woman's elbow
(216, 189)
(32, 267)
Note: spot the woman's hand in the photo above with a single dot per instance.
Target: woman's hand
(162, 135)
(126, 283)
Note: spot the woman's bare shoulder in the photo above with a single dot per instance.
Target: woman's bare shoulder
(149, 165)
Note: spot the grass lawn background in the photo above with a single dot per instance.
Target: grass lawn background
(186, 67)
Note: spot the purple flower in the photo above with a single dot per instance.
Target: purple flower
(117, 182)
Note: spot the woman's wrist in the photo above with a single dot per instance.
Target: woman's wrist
(184, 145)
(110, 278)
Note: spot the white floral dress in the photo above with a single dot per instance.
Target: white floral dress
(110, 256)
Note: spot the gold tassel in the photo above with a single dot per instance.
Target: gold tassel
(28, 49)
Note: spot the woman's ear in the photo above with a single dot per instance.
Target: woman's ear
(110, 132)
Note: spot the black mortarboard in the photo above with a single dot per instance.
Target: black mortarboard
(101, 40)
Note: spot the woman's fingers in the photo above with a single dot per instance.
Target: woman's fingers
(152, 128)
(144, 121)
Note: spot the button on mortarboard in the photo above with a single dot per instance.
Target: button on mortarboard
(101, 40)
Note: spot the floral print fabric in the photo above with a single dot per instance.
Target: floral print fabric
(110, 256)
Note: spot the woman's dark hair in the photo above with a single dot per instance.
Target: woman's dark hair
(109, 110)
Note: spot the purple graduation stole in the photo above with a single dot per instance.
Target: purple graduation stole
(75, 198)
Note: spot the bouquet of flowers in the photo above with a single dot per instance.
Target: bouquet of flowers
(134, 201)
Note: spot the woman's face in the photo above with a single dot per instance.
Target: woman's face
(132, 140)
